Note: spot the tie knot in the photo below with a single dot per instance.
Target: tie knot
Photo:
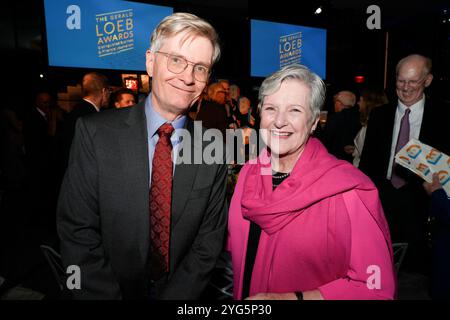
(407, 111)
(165, 130)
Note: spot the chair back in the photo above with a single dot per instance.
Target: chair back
(399, 254)
(54, 260)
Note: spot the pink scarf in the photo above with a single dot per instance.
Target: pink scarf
(317, 175)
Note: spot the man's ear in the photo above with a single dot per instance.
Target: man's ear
(428, 80)
(149, 61)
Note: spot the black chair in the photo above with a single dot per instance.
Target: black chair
(399, 254)
(55, 263)
(221, 284)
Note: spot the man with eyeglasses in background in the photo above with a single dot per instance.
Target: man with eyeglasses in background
(137, 225)
(390, 127)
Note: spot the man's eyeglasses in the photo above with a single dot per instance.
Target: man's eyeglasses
(410, 83)
(178, 64)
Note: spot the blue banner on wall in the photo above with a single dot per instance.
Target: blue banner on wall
(100, 34)
(275, 45)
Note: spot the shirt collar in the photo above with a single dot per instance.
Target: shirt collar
(415, 108)
(155, 120)
(41, 112)
(96, 108)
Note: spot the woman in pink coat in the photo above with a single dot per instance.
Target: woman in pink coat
(302, 224)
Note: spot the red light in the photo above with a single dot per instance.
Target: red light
(359, 79)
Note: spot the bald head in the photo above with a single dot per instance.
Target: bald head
(344, 99)
(43, 101)
(96, 89)
(416, 60)
(413, 75)
(94, 83)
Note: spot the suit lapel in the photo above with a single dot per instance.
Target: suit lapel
(134, 148)
(389, 132)
(185, 174)
(428, 122)
(389, 125)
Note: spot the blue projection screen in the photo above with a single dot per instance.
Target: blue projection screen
(274, 45)
(100, 34)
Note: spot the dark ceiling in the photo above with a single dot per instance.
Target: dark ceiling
(352, 49)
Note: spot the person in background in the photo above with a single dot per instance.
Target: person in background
(36, 133)
(440, 215)
(195, 109)
(342, 126)
(235, 93)
(123, 97)
(390, 127)
(344, 100)
(369, 100)
(243, 113)
(212, 112)
(229, 104)
(96, 94)
(12, 156)
(303, 224)
(40, 173)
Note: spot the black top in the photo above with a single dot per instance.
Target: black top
(253, 240)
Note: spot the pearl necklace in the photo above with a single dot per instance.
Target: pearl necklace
(284, 175)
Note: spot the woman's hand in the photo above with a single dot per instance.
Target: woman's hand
(307, 295)
(273, 296)
(433, 186)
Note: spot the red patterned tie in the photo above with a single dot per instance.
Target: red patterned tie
(160, 201)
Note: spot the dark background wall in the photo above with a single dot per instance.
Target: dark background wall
(352, 49)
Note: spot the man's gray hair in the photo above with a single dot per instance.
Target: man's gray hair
(317, 88)
(185, 22)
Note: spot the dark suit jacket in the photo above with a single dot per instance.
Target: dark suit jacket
(36, 139)
(103, 212)
(341, 128)
(440, 211)
(405, 208)
(377, 145)
(66, 131)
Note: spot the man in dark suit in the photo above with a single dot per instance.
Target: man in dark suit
(109, 204)
(95, 91)
(440, 212)
(36, 137)
(403, 198)
(38, 161)
(342, 126)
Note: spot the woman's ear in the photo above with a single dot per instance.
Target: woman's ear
(314, 126)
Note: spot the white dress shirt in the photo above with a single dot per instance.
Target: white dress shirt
(415, 122)
(96, 108)
(42, 113)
